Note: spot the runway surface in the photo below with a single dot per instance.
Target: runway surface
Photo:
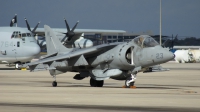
(175, 90)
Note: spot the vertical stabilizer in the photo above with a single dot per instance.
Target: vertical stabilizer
(52, 42)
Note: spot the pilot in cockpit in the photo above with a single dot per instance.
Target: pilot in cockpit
(140, 41)
(19, 36)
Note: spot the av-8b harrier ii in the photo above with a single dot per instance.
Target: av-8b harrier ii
(119, 61)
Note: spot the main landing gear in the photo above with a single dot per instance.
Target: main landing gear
(93, 83)
(96, 83)
(17, 66)
(129, 83)
(54, 83)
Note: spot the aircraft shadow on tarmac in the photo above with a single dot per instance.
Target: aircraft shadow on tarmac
(7, 68)
(110, 85)
(173, 86)
(184, 68)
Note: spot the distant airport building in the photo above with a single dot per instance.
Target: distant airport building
(167, 41)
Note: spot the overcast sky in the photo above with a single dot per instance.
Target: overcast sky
(180, 17)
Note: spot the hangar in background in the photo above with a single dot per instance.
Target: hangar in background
(177, 43)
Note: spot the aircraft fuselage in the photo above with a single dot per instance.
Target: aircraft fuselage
(17, 45)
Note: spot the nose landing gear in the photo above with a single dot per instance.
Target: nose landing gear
(129, 83)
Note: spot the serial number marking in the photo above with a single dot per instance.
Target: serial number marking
(159, 55)
(6, 44)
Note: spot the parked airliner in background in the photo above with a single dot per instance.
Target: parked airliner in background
(17, 45)
(74, 38)
(71, 38)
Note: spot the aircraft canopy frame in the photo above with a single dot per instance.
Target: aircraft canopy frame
(145, 41)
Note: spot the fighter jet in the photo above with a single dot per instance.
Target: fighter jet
(119, 61)
(17, 45)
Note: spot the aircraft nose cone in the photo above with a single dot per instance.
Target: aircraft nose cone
(35, 50)
(169, 56)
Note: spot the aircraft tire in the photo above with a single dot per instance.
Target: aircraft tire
(100, 83)
(17, 66)
(54, 83)
(150, 69)
(92, 82)
(95, 83)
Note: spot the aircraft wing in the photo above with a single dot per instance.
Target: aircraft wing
(43, 64)
(41, 32)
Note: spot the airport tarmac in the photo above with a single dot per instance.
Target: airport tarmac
(175, 90)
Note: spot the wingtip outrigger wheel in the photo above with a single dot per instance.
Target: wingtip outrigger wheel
(54, 83)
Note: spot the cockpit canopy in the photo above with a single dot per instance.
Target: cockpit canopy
(18, 34)
(145, 41)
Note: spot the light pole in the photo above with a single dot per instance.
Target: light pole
(160, 23)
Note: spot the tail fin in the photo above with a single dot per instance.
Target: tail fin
(53, 43)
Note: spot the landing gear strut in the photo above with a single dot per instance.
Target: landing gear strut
(130, 81)
(96, 83)
(16, 65)
(54, 83)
